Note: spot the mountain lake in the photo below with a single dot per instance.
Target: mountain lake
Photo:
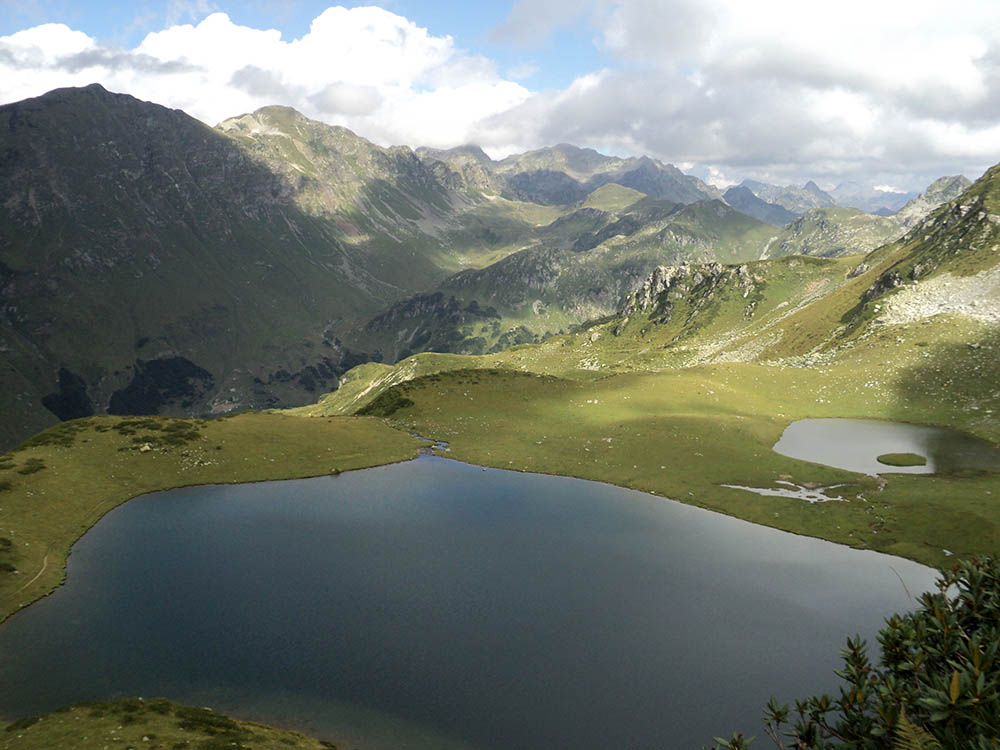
(855, 444)
(435, 604)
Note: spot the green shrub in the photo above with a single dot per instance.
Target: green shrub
(204, 720)
(902, 459)
(386, 403)
(937, 683)
(31, 466)
(23, 723)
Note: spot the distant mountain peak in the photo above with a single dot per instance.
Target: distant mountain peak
(796, 199)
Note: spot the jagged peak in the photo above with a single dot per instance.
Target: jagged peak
(279, 119)
(467, 151)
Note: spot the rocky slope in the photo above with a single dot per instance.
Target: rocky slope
(940, 191)
(579, 268)
(742, 199)
(833, 231)
(565, 174)
(151, 264)
(796, 199)
(914, 320)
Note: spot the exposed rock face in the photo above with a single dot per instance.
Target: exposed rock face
(940, 191)
(885, 283)
(697, 283)
(965, 231)
(976, 296)
(798, 200)
(832, 232)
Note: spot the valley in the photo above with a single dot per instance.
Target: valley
(285, 299)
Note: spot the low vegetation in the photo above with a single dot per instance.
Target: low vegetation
(901, 459)
(936, 684)
(155, 724)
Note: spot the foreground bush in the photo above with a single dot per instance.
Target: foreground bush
(937, 684)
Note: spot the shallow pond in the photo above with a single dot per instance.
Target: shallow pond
(855, 444)
(440, 605)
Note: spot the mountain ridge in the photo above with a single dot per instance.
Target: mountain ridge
(249, 265)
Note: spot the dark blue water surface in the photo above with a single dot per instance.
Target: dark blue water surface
(434, 604)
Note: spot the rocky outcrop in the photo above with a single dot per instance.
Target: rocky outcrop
(885, 283)
(833, 231)
(940, 191)
(698, 285)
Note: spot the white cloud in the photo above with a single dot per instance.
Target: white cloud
(522, 71)
(366, 68)
(854, 89)
(895, 91)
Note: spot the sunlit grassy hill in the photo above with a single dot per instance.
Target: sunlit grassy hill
(686, 388)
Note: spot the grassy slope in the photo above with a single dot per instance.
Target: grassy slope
(154, 724)
(683, 406)
(612, 197)
(556, 283)
(92, 465)
(835, 231)
(627, 417)
(683, 434)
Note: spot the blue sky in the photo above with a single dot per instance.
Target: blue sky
(555, 60)
(896, 92)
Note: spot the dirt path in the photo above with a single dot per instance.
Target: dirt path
(45, 563)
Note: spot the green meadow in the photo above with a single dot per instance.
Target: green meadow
(155, 724)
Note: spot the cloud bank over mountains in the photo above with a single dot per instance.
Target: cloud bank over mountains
(889, 92)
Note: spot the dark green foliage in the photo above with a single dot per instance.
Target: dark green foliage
(387, 403)
(514, 337)
(938, 682)
(6, 554)
(159, 432)
(205, 720)
(63, 435)
(31, 466)
(23, 723)
(4, 486)
(902, 459)
(159, 705)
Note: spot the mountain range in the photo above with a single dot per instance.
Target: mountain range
(152, 264)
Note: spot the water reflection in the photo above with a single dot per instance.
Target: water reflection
(438, 605)
(855, 444)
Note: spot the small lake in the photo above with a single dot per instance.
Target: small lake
(434, 604)
(855, 444)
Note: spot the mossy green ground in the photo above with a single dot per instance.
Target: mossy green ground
(59, 483)
(154, 724)
(901, 459)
